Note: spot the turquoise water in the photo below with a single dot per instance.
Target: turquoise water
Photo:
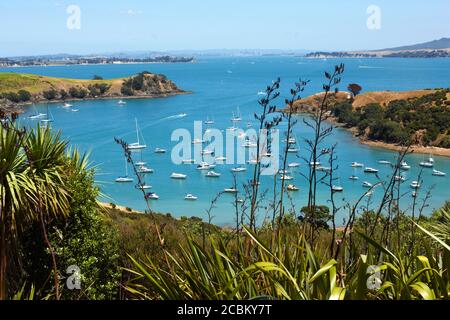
(219, 85)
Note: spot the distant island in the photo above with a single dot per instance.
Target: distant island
(20, 89)
(433, 49)
(58, 60)
(391, 119)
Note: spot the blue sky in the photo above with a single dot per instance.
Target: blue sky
(39, 26)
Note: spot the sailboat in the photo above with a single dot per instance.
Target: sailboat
(49, 117)
(137, 145)
(125, 178)
(121, 103)
(36, 115)
(236, 117)
(209, 121)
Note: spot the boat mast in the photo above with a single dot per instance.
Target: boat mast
(137, 131)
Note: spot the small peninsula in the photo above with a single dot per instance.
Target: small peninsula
(20, 89)
(391, 119)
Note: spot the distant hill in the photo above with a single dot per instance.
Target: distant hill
(433, 49)
(443, 43)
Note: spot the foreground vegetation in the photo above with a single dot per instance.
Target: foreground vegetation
(58, 243)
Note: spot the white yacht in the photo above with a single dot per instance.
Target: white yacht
(213, 174)
(231, 190)
(371, 170)
(121, 102)
(178, 176)
(286, 178)
(292, 150)
(438, 173)
(337, 189)
(190, 197)
(415, 185)
(249, 144)
(220, 159)
(160, 151)
(315, 164)
(207, 152)
(384, 162)
(151, 196)
(205, 166)
(239, 169)
(294, 165)
(357, 165)
(426, 164)
(67, 105)
(143, 187)
(252, 162)
(144, 169)
(188, 161)
(137, 145)
(404, 166)
(400, 178)
(75, 110)
(292, 187)
(354, 178)
(197, 141)
(367, 184)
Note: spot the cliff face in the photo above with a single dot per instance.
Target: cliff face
(17, 89)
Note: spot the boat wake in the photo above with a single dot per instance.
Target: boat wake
(369, 67)
(177, 116)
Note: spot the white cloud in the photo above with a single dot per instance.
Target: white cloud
(132, 13)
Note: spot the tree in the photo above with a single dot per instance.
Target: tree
(355, 89)
(63, 93)
(50, 94)
(82, 239)
(32, 190)
(96, 77)
(24, 95)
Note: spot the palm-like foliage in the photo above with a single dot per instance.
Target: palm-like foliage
(32, 188)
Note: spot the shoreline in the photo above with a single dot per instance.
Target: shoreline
(19, 107)
(442, 152)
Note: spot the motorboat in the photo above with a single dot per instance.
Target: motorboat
(438, 173)
(121, 102)
(426, 164)
(415, 185)
(367, 184)
(188, 161)
(291, 187)
(197, 141)
(207, 152)
(294, 165)
(337, 189)
(231, 190)
(144, 169)
(190, 197)
(252, 162)
(404, 166)
(160, 151)
(67, 105)
(357, 165)
(249, 144)
(384, 162)
(371, 170)
(315, 164)
(178, 176)
(220, 159)
(152, 196)
(286, 178)
(239, 169)
(292, 150)
(143, 187)
(400, 178)
(213, 174)
(354, 178)
(205, 166)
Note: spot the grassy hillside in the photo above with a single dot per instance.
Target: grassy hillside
(419, 117)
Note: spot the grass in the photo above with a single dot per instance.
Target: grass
(13, 82)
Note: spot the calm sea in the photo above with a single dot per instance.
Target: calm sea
(219, 86)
